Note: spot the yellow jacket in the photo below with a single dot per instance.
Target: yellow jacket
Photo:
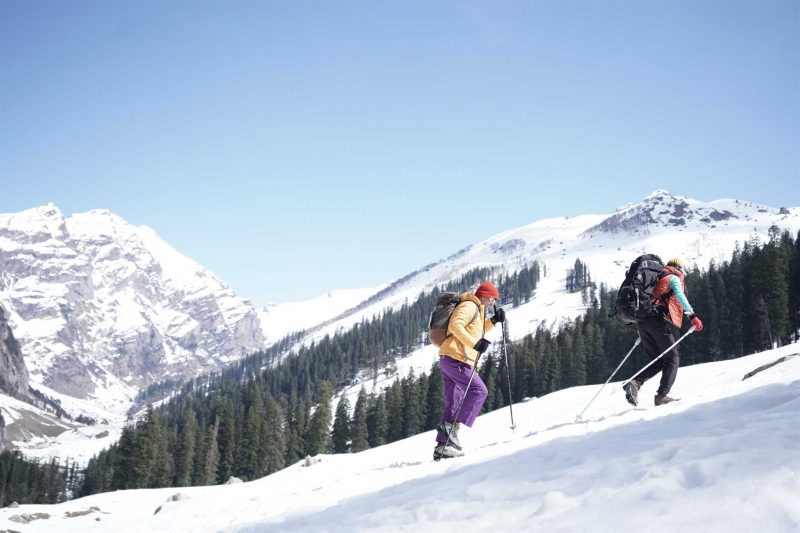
(464, 333)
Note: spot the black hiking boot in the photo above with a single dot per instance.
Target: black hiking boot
(661, 399)
(631, 389)
(452, 427)
(445, 452)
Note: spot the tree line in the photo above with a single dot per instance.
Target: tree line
(31, 481)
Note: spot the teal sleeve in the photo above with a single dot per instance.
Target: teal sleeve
(677, 290)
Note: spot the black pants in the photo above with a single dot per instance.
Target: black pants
(656, 336)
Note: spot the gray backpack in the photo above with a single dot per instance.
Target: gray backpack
(440, 317)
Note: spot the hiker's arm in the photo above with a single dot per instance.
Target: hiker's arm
(677, 290)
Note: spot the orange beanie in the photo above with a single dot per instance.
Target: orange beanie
(487, 290)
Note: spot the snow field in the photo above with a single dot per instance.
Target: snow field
(724, 458)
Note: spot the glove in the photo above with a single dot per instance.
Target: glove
(482, 345)
(499, 316)
(698, 325)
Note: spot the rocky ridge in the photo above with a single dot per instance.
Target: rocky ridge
(13, 373)
(100, 306)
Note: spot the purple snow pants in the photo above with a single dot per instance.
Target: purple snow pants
(456, 376)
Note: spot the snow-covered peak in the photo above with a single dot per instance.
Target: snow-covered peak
(100, 305)
(657, 195)
(37, 224)
(662, 209)
(99, 223)
(102, 228)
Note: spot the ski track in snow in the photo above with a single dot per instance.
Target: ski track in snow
(724, 458)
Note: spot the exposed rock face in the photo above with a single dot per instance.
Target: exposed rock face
(13, 374)
(660, 209)
(2, 433)
(98, 304)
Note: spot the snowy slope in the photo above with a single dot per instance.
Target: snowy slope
(724, 458)
(665, 224)
(41, 435)
(278, 320)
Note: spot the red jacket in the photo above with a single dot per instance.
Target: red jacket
(671, 305)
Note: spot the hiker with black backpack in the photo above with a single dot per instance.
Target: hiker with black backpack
(669, 306)
(459, 351)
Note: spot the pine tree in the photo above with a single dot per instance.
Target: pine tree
(163, 467)
(318, 439)
(422, 401)
(565, 340)
(527, 378)
(394, 412)
(226, 439)
(145, 444)
(123, 475)
(274, 439)
(733, 342)
(434, 397)
(596, 359)
(552, 367)
(297, 427)
(250, 448)
(411, 412)
(377, 422)
(359, 431)
(198, 464)
(185, 450)
(210, 463)
(578, 359)
(717, 294)
(776, 291)
(340, 435)
(794, 290)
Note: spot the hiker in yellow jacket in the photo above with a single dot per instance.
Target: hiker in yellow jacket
(458, 356)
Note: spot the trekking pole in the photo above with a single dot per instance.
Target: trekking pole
(635, 344)
(460, 405)
(674, 344)
(508, 376)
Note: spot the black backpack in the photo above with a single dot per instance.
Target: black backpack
(635, 295)
(440, 317)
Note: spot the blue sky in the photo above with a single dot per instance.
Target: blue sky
(297, 147)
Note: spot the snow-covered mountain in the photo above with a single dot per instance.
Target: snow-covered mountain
(668, 225)
(724, 458)
(102, 308)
